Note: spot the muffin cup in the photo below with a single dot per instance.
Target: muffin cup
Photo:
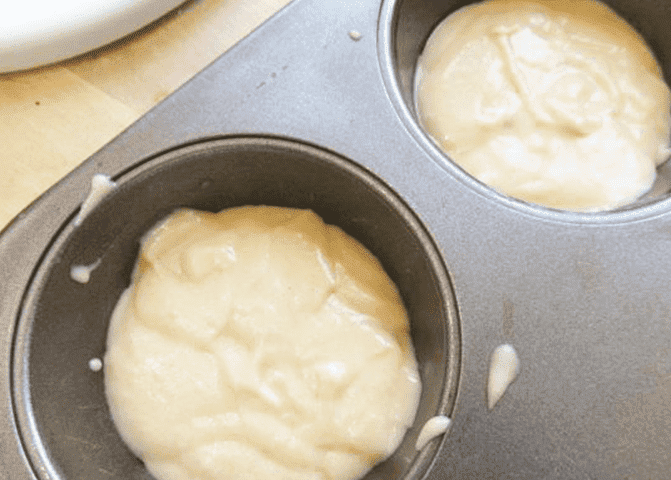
(406, 26)
(63, 419)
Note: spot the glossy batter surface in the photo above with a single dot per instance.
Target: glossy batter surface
(553, 102)
(259, 343)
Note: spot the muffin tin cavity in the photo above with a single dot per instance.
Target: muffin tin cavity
(404, 29)
(59, 399)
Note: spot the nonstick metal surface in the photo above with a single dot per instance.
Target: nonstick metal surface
(313, 109)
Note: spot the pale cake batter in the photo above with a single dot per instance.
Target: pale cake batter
(553, 102)
(259, 343)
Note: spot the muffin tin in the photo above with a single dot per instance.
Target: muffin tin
(314, 110)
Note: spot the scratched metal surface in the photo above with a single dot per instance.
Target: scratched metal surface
(583, 298)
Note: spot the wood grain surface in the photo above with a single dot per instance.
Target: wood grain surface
(55, 117)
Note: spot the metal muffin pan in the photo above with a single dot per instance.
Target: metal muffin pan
(313, 110)
(63, 323)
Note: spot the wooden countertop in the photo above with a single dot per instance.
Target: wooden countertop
(53, 118)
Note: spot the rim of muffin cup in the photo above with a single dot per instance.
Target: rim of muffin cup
(403, 30)
(64, 424)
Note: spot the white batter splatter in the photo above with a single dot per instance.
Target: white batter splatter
(82, 273)
(95, 364)
(503, 370)
(433, 428)
(101, 185)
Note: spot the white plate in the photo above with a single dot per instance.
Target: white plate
(40, 32)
